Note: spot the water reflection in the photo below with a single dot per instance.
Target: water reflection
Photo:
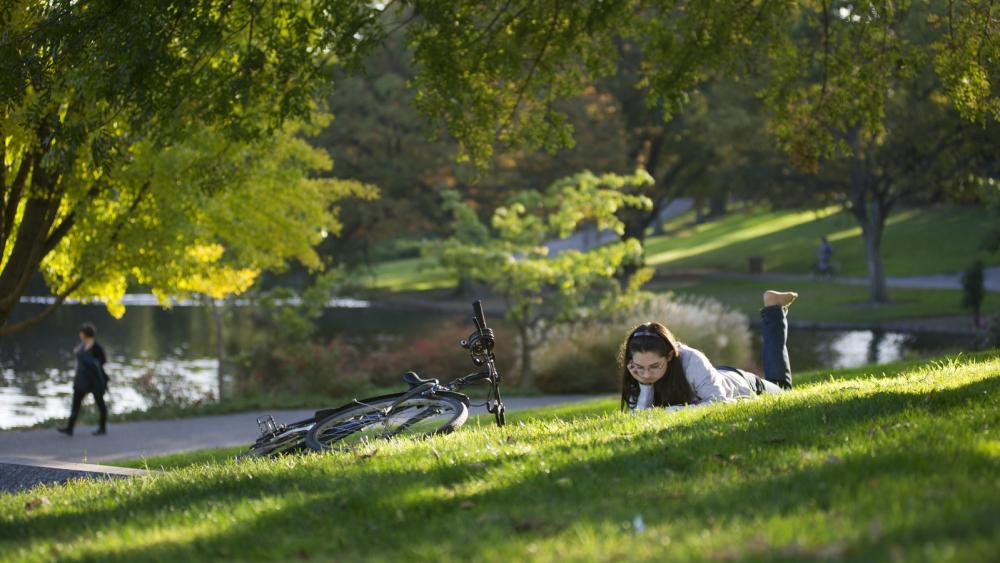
(837, 349)
(156, 354)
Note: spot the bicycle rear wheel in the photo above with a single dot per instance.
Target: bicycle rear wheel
(437, 414)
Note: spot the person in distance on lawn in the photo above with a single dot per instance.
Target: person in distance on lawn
(660, 371)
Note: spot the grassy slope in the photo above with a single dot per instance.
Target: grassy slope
(786, 239)
(412, 274)
(903, 465)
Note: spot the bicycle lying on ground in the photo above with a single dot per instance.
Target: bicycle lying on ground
(428, 407)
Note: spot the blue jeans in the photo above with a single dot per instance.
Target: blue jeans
(777, 370)
(774, 353)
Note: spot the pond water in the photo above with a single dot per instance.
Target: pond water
(155, 352)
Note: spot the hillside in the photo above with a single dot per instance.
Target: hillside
(888, 463)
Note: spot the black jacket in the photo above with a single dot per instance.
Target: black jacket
(90, 375)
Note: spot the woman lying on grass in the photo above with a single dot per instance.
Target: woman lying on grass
(659, 371)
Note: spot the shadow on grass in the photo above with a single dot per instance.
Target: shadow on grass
(718, 472)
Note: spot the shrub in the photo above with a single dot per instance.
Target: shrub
(433, 354)
(583, 358)
(321, 368)
(162, 390)
(341, 367)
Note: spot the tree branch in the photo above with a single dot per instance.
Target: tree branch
(531, 71)
(11, 329)
(27, 253)
(3, 168)
(14, 198)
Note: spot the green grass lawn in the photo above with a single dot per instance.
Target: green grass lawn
(787, 240)
(831, 302)
(411, 274)
(900, 465)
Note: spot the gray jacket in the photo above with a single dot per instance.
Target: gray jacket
(710, 385)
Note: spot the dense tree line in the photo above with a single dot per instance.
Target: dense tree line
(111, 138)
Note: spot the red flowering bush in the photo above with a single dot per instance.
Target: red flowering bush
(435, 353)
(321, 368)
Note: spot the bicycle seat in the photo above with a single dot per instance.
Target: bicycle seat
(414, 380)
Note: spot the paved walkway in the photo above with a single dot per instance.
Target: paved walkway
(937, 281)
(158, 437)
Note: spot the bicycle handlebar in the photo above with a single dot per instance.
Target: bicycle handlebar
(479, 317)
(480, 342)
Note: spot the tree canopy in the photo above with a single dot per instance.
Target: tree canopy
(131, 130)
(96, 94)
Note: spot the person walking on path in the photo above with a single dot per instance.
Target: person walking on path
(824, 257)
(660, 371)
(90, 378)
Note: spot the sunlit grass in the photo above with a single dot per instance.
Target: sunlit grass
(787, 241)
(412, 274)
(864, 465)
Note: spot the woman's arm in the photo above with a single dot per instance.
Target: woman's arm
(98, 353)
(704, 379)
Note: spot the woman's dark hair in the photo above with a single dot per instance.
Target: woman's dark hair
(88, 330)
(671, 389)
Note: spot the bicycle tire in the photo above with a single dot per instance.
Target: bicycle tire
(416, 416)
(291, 440)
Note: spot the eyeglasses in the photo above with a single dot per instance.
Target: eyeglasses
(650, 369)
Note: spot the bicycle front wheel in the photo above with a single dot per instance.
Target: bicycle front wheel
(291, 440)
(416, 416)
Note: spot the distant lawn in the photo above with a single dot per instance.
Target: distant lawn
(871, 466)
(787, 240)
(831, 302)
(412, 274)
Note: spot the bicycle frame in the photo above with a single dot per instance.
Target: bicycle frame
(480, 344)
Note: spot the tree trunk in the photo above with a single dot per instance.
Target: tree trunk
(877, 289)
(871, 209)
(717, 205)
(526, 375)
(465, 288)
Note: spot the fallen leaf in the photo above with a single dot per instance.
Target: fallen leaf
(35, 503)
(466, 504)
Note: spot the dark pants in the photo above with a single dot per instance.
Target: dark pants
(777, 368)
(78, 400)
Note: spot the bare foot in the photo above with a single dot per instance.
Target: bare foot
(783, 298)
